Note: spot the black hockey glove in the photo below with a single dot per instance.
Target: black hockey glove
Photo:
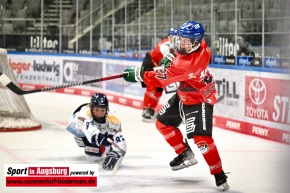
(111, 160)
(102, 139)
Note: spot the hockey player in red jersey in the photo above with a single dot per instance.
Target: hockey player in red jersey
(193, 102)
(151, 60)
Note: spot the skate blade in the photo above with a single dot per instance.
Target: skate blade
(185, 165)
(224, 187)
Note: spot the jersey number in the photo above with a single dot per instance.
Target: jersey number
(119, 138)
(161, 73)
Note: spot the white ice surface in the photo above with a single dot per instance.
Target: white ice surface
(255, 165)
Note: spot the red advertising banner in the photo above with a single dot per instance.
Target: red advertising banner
(267, 99)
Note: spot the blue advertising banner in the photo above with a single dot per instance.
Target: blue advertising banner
(244, 61)
(271, 62)
(218, 59)
(283, 63)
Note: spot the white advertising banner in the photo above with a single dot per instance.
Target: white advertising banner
(36, 69)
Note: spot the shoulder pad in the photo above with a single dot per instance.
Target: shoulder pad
(88, 111)
(84, 112)
(113, 123)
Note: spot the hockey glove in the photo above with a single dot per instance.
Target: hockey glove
(102, 139)
(166, 60)
(135, 74)
(111, 160)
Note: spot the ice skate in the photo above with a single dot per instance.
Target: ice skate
(221, 181)
(148, 115)
(183, 160)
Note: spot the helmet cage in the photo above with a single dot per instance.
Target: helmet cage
(177, 45)
(191, 30)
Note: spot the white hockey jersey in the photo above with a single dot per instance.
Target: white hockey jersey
(82, 124)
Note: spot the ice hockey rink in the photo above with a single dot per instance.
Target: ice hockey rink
(256, 165)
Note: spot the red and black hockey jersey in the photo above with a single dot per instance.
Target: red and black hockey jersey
(191, 71)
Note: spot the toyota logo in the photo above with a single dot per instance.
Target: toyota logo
(257, 91)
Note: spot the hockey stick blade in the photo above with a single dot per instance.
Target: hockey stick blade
(115, 169)
(14, 88)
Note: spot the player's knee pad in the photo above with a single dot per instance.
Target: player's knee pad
(163, 129)
(204, 143)
(170, 133)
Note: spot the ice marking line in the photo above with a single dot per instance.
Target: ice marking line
(62, 122)
(11, 154)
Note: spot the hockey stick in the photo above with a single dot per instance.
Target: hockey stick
(14, 88)
(116, 146)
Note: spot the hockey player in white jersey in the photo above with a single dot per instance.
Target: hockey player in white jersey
(98, 132)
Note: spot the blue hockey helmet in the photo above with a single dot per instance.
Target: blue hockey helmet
(192, 30)
(99, 100)
(172, 32)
